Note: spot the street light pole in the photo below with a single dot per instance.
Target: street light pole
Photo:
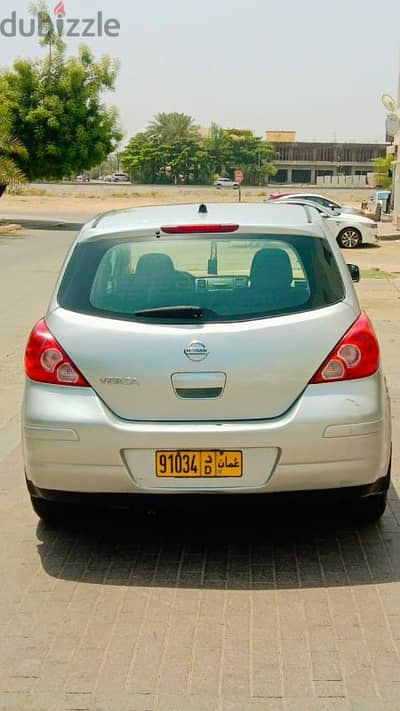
(392, 106)
(396, 166)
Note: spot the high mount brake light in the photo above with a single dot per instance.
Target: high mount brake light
(355, 356)
(47, 362)
(198, 229)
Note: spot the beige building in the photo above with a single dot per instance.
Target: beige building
(280, 136)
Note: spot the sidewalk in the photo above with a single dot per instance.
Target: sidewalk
(388, 231)
(68, 213)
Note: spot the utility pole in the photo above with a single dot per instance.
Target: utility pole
(392, 106)
(396, 164)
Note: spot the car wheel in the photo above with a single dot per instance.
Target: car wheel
(50, 512)
(236, 187)
(218, 187)
(349, 238)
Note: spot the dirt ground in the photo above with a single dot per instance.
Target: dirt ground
(92, 199)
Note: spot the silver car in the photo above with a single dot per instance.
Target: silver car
(226, 183)
(215, 349)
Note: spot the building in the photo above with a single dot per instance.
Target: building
(304, 162)
(280, 136)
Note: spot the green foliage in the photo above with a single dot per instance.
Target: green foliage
(149, 160)
(172, 127)
(251, 155)
(56, 110)
(171, 150)
(383, 172)
(218, 147)
(10, 148)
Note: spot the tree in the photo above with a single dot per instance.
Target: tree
(56, 110)
(172, 150)
(169, 151)
(10, 147)
(383, 172)
(149, 160)
(188, 162)
(172, 127)
(218, 148)
(144, 158)
(251, 155)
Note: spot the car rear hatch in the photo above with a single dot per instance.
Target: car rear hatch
(214, 329)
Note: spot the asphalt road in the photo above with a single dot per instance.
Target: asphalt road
(284, 608)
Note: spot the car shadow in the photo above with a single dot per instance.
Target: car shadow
(274, 542)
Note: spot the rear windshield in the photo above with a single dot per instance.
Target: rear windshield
(205, 277)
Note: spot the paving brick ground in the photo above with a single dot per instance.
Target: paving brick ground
(281, 608)
(268, 610)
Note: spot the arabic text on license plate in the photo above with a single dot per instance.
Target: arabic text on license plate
(199, 463)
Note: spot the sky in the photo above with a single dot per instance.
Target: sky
(311, 66)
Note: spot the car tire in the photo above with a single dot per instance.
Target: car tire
(218, 187)
(49, 512)
(349, 238)
(235, 187)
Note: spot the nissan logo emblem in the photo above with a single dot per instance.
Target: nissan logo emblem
(196, 351)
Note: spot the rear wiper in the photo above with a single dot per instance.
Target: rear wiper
(195, 312)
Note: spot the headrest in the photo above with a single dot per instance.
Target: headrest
(271, 268)
(154, 264)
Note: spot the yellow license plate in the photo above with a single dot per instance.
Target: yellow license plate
(199, 463)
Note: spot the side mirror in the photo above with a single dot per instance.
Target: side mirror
(354, 272)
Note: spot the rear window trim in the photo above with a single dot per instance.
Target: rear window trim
(117, 239)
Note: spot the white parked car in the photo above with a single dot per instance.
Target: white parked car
(318, 199)
(117, 178)
(350, 230)
(216, 349)
(226, 183)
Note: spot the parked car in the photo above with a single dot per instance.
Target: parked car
(121, 178)
(350, 230)
(226, 183)
(319, 199)
(191, 349)
(117, 178)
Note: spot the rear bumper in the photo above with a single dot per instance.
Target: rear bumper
(127, 501)
(336, 436)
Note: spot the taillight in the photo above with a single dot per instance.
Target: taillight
(198, 229)
(355, 356)
(47, 362)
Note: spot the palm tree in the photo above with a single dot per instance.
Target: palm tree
(172, 127)
(218, 147)
(10, 173)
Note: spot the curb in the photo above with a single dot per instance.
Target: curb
(32, 224)
(389, 238)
